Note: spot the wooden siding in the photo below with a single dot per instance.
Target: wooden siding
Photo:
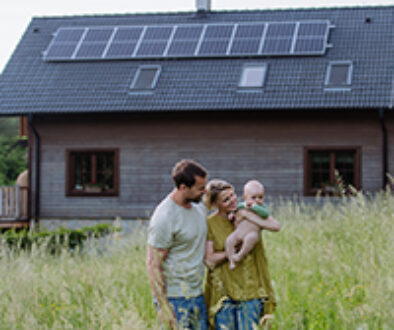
(232, 146)
(390, 132)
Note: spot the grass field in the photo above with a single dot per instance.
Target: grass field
(332, 268)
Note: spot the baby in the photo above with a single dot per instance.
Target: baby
(246, 231)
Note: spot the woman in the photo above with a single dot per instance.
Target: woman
(237, 298)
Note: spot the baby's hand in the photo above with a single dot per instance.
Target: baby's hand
(250, 204)
(231, 216)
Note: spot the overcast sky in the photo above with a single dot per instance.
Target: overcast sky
(15, 15)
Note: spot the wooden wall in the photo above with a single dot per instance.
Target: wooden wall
(233, 146)
(390, 132)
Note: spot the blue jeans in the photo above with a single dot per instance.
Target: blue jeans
(239, 315)
(191, 313)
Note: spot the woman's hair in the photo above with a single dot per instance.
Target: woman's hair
(214, 188)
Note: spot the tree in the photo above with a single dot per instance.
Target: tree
(12, 153)
(9, 126)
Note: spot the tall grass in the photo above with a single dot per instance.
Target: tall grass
(332, 267)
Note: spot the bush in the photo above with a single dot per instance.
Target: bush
(12, 160)
(54, 241)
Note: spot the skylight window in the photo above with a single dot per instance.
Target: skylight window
(253, 76)
(339, 74)
(145, 78)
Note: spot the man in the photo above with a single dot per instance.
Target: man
(176, 242)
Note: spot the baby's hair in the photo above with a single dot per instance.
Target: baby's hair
(214, 188)
(251, 183)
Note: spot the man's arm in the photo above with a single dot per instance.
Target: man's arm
(154, 260)
(268, 224)
(211, 257)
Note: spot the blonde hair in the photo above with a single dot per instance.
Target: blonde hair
(214, 188)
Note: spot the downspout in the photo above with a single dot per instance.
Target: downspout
(384, 147)
(36, 172)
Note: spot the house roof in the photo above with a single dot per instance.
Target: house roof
(362, 35)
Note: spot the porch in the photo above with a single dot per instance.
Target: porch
(13, 207)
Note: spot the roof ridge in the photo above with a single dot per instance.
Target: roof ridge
(221, 11)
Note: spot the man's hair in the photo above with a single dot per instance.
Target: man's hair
(214, 188)
(185, 171)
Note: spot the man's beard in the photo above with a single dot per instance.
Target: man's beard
(194, 200)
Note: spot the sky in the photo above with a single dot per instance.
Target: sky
(15, 15)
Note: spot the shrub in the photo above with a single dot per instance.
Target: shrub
(54, 241)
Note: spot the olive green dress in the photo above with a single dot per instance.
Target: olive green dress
(249, 280)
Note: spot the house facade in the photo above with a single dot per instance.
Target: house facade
(284, 96)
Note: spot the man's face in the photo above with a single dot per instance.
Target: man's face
(195, 192)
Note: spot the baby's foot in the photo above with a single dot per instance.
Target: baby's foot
(236, 258)
(232, 265)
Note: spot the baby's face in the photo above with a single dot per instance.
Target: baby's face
(254, 194)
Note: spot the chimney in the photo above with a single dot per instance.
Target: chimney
(203, 6)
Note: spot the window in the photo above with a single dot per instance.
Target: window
(320, 166)
(145, 78)
(92, 173)
(253, 76)
(339, 74)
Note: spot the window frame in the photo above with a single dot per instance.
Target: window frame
(137, 75)
(308, 190)
(253, 65)
(70, 192)
(349, 77)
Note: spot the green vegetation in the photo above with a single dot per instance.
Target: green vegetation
(9, 126)
(55, 241)
(332, 267)
(13, 159)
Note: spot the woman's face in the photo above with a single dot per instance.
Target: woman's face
(227, 201)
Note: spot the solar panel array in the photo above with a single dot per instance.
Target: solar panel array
(189, 40)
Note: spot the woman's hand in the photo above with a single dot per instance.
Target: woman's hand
(211, 257)
(268, 224)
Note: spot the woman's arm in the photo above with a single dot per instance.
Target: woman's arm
(212, 258)
(268, 224)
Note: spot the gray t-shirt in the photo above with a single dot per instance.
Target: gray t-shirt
(183, 233)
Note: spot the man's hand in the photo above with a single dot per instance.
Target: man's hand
(167, 317)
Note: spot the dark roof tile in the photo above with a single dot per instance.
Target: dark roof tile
(30, 85)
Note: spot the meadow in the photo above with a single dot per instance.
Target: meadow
(332, 267)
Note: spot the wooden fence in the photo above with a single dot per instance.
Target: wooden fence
(13, 203)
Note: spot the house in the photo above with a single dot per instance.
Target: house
(284, 96)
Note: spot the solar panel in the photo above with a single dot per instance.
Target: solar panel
(124, 34)
(309, 45)
(247, 46)
(280, 30)
(158, 33)
(91, 51)
(216, 40)
(121, 50)
(188, 32)
(190, 40)
(213, 47)
(60, 51)
(68, 35)
(182, 48)
(250, 31)
(98, 35)
(277, 46)
(151, 49)
(312, 29)
(247, 39)
(311, 38)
